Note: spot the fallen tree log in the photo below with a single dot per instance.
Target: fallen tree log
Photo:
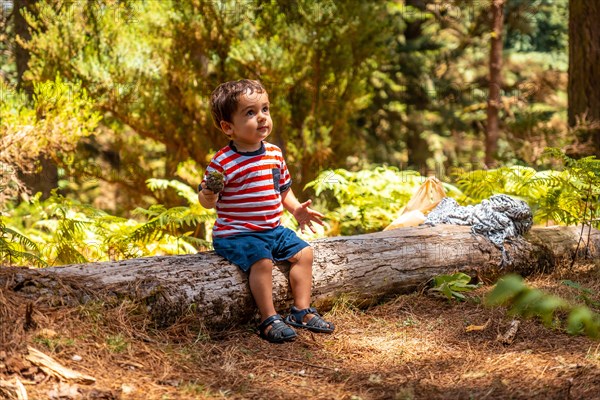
(363, 268)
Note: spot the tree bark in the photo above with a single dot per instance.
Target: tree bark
(494, 95)
(46, 178)
(22, 30)
(362, 269)
(417, 96)
(584, 72)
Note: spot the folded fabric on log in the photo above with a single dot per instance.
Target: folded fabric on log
(498, 218)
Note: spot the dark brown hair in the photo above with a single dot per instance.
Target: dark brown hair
(224, 99)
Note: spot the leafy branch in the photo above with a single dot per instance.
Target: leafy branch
(529, 302)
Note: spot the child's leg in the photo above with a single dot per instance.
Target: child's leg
(261, 286)
(272, 327)
(301, 277)
(301, 283)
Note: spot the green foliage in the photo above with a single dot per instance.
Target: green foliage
(64, 231)
(430, 95)
(175, 230)
(528, 302)
(585, 295)
(117, 343)
(536, 25)
(16, 247)
(151, 66)
(54, 344)
(582, 179)
(188, 193)
(51, 124)
(388, 82)
(453, 286)
(566, 195)
(369, 199)
(583, 321)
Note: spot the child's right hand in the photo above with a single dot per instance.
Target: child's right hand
(208, 194)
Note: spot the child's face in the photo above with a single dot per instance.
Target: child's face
(251, 122)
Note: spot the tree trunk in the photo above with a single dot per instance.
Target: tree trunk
(43, 179)
(22, 30)
(46, 178)
(363, 269)
(494, 95)
(584, 72)
(417, 100)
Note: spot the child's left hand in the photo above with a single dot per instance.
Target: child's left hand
(306, 217)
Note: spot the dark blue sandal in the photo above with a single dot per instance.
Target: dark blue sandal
(279, 331)
(315, 324)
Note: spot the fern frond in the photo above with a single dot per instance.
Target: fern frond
(7, 253)
(68, 254)
(181, 188)
(22, 239)
(153, 211)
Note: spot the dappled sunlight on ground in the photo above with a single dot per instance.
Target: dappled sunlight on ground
(413, 347)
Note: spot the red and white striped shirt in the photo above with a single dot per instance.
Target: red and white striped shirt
(251, 198)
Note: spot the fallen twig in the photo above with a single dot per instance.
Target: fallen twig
(11, 389)
(510, 334)
(50, 366)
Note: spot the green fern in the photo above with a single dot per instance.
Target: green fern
(568, 196)
(582, 178)
(64, 231)
(166, 231)
(182, 189)
(73, 231)
(16, 248)
(165, 224)
(529, 302)
(366, 200)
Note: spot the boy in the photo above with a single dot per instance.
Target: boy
(247, 231)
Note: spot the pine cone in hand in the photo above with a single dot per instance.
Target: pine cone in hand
(214, 181)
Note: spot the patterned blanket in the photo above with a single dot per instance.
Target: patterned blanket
(498, 218)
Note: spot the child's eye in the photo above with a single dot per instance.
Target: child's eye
(250, 113)
(265, 109)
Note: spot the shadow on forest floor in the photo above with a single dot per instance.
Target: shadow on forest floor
(413, 347)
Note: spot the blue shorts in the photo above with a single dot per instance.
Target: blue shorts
(244, 249)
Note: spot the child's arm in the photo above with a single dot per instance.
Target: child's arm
(207, 198)
(304, 215)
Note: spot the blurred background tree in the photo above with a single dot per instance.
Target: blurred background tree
(584, 76)
(126, 85)
(404, 83)
(151, 67)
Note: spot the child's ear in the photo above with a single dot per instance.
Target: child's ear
(227, 128)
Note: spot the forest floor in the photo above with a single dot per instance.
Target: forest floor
(412, 347)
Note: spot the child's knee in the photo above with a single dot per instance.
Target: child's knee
(306, 254)
(264, 264)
